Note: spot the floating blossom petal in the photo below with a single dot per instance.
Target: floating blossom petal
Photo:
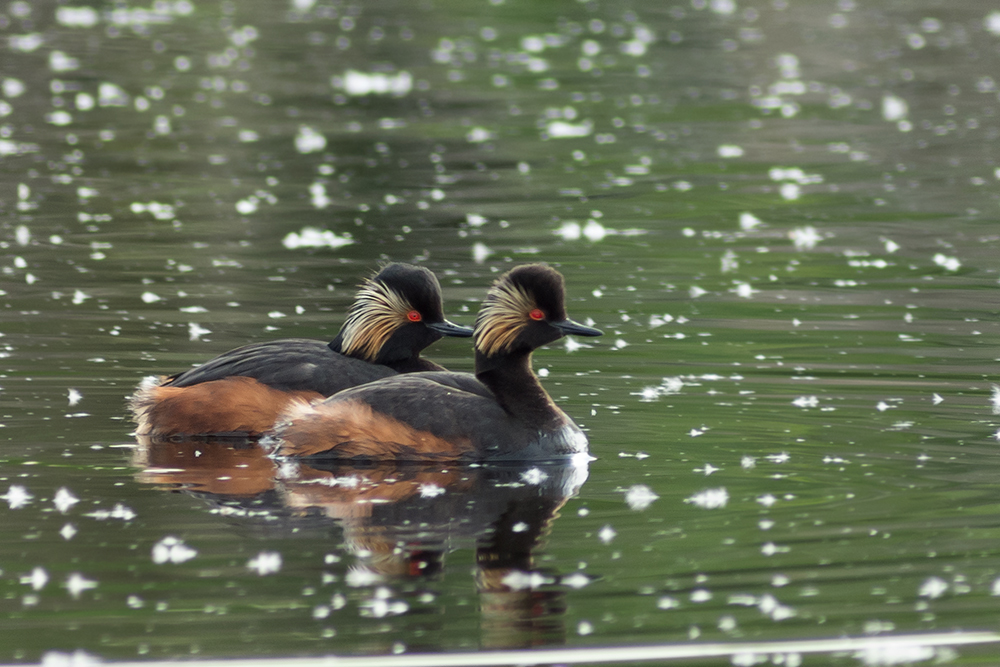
(17, 496)
(64, 500)
(172, 550)
(639, 497)
(312, 237)
(76, 583)
(710, 498)
(37, 579)
(266, 562)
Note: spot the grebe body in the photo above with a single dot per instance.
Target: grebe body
(397, 313)
(500, 413)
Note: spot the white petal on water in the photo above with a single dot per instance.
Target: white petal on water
(667, 602)
(67, 531)
(480, 251)
(475, 219)
(806, 402)
(671, 385)
(569, 230)
(560, 129)
(149, 297)
(709, 498)
(172, 550)
(77, 17)
(266, 562)
(576, 580)
(805, 238)
(894, 108)
(947, 263)
(639, 496)
(572, 345)
(358, 83)
(76, 583)
(995, 399)
(74, 397)
(312, 237)
(933, 587)
(770, 606)
(534, 476)
(12, 87)
(519, 580)
(22, 235)
(36, 579)
(359, 577)
(700, 595)
(749, 221)
(936, 399)
(606, 534)
(64, 500)
(748, 462)
(992, 23)
(309, 140)
(17, 496)
(694, 292)
(196, 331)
(729, 151)
(247, 206)
(595, 231)
(119, 511)
(430, 490)
(478, 135)
(62, 62)
(729, 261)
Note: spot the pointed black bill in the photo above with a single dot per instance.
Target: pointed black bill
(569, 327)
(446, 328)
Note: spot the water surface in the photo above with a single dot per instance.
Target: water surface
(783, 215)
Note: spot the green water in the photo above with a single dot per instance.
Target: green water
(782, 214)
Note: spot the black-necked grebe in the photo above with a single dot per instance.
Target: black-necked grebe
(501, 413)
(397, 313)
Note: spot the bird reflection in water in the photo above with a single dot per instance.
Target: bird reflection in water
(399, 520)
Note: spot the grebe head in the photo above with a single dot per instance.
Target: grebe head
(525, 309)
(396, 314)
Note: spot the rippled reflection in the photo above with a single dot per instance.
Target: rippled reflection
(399, 521)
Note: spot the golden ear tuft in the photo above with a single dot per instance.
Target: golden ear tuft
(503, 316)
(377, 311)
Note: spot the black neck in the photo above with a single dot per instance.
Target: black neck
(517, 389)
(408, 364)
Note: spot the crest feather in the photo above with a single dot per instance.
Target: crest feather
(377, 312)
(503, 316)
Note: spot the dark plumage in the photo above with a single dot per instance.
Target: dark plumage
(396, 314)
(502, 412)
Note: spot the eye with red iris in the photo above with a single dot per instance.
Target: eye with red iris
(414, 316)
(537, 314)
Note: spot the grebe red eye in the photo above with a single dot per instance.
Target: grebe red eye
(414, 316)
(537, 314)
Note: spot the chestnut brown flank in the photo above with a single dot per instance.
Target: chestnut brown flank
(347, 429)
(234, 405)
